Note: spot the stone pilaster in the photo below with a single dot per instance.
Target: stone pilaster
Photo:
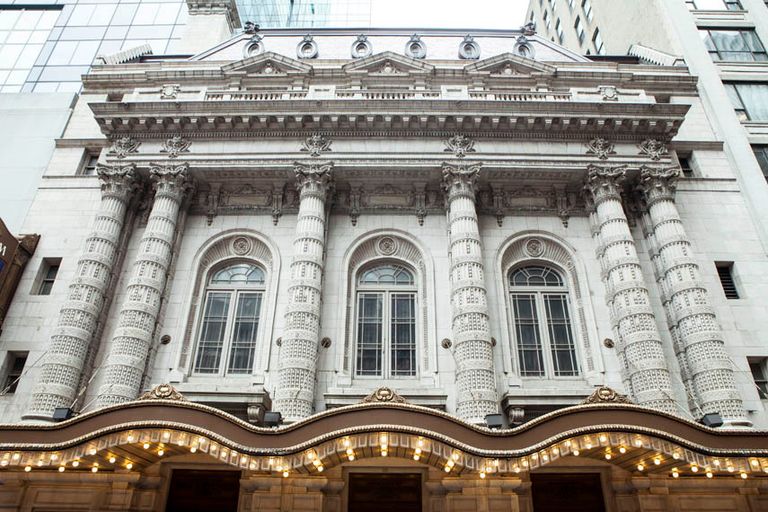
(473, 350)
(639, 343)
(125, 364)
(298, 351)
(692, 319)
(79, 316)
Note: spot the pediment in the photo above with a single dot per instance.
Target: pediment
(509, 64)
(388, 63)
(267, 64)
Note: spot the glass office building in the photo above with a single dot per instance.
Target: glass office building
(306, 13)
(48, 45)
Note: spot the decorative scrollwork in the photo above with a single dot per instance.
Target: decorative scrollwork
(460, 145)
(604, 394)
(653, 149)
(163, 392)
(316, 144)
(175, 146)
(384, 394)
(601, 148)
(123, 146)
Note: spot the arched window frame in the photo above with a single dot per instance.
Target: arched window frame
(541, 322)
(236, 296)
(386, 297)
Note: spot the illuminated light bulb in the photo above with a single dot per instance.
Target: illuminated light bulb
(28, 469)
(695, 469)
(568, 443)
(603, 438)
(92, 451)
(40, 463)
(224, 453)
(447, 469)
(75, 463)
(488, 469)
(622, 449)
(716, 462)
(350, 451)
(534, 455)
(130, 439)
(160, 453)
(496, 462)
(765, 470)
(383, 453)
(607, 456)
(589, 446)
(112, 459)
(516, 469)
(4, 463)
(320, 469)
(657, 461)
(62, 469)
(383, 438)
(576, 452)
(16, 456)
(638, 442)
(455, 456)
(709, 474)
(421, 442)
(731, 469)
(640, 467)
(555, 451)
(676, 456)
(193, 449)
(754, 463)
(252, 465)
(351, 458)
(166, 435)
(525, 463)
(129, 465)
(451, 463)
(54, 457)
(545, 458)
(743, 476)
(675, 473)
(346, 442)
(316, 462)
(311, 456)
(418, 450)
(482, 474)
(285, 474)
(146, 446)
(416, 456)
(94, 469)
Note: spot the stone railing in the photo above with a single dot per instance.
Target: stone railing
(388, 95)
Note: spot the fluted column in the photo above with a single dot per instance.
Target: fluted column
(473, 350)
(65, 360)
(639, 343)
(298, 351)
(691, 316)
(127, 358)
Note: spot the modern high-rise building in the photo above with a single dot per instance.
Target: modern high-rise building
(306, 13)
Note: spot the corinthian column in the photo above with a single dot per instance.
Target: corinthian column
(691, 316)
(298, 352)
(78, 320)
(127, 358)
(639, 343)
(473, 351)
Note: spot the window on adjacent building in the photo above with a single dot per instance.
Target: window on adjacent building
(559, 30)
(685, 164)
(89, 164)
(761, 153)
(714, 5)
(542, 322)
(579, 29)
(749, 99)
(597, 39)
(14, 367)
(386, 322)
(553, 3)
(757, 367)
(587, 6)
(571, 4)
(49, 269)
(733, 45)
(547, 22)
(230, 321)
(725, 273)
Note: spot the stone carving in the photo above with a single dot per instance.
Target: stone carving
(524, 48)
(704, 362)
(639, 342)
(415, 47)
(125, 363)
(169, 91)
(307, 48)
(277, 204)
(469, 49)
(175, 146)
(250, 27)
(609, 93)
(163, 392)
(241, 246)
(653, 149)
(316, 144)
(460, 176)
(601, 148)
(355, 195)
(420, 205)
(79, 316)
(384, 394)
(386, 246)
(254, 46)
(604, 394)
(460, 145)
(534, 247)
(529, 29)
(123, 146)
(361, 48)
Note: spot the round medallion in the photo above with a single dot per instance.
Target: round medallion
(534, 247)
(241, 245)
(386, 246)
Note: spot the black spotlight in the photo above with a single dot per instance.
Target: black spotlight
(495, 421)
(711, 420)
(62, 413)
(273, 419)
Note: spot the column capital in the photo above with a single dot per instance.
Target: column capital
(658, 183)
(313, 178)
(604, 182)
(171, 180)
(460, 179)
(118, 181)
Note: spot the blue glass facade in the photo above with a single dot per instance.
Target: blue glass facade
(306, 13)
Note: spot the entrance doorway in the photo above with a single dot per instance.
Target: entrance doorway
(194, 490)
(376, 492)
(567, 492)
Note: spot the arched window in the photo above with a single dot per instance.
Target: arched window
(542, 322)
(386, 322)
(230, 320)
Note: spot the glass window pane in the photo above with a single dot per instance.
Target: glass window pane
(8, 19)
(212, 332)
(167, 14)
(28, 20)
(145, 15)
(9, 54)
(244, 333)
(755, 99)
(527, 333)
(124, 14)
(28, 56)
(560, 335)
(81, 15)
(48, 20)
(103, 14)
(369, 334)
(18, 37)
(403, 334)
(387, 274)
(62, 52)
(85, 53)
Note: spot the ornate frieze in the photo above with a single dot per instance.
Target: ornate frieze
(316, 144)
(122, 146)
(460, 145)
(601, 148)
(653, 149)
(175, 146)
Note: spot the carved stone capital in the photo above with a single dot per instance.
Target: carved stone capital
(118, 181)
(313, 179)
(658, 183)
(604, 182)
(171, 180)
(460, 179)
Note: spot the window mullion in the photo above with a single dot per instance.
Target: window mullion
(546, 342)
(229, 331)
(386, 335)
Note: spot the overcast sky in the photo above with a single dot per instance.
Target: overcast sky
(508, 14)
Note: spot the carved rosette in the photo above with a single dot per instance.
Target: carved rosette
(78, 319)
(699, 343)
(641, 352)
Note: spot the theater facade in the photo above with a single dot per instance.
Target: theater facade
(467, 270)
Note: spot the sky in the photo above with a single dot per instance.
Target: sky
(505, 14)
